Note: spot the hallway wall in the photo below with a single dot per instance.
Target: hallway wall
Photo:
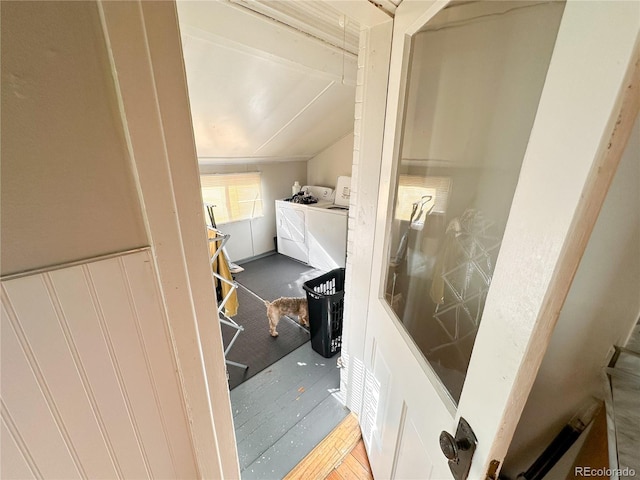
(64, 146)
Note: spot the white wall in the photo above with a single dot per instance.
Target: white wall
(334, 161)
(250, 238)
(64, 144)
(103, 372)
(600, 311)
(89, 382)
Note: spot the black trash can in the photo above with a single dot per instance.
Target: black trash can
(325, 296)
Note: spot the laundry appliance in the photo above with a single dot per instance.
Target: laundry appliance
(315, 234)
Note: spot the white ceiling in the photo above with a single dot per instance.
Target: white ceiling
(268, 81)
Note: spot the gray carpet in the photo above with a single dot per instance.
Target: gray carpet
(276, 276)
(254, 346)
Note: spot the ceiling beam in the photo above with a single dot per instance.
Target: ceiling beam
(240, 26)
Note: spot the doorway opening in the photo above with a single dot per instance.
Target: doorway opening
(272, 94)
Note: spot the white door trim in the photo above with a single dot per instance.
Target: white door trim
(371, 93)
(143, 41)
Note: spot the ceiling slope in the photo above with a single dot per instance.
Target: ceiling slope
(261, 89)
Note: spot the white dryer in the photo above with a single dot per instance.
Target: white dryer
(327, 237)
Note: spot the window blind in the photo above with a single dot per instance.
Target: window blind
(236, 196)
(411, 188)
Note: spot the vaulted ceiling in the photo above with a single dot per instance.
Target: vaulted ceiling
(268, 80)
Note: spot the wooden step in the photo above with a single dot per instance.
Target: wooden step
(340, 453)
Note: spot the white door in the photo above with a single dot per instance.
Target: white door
(292, 231)
(504, 112)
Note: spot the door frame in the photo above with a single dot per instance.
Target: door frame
(145, 53)
(144, 44)
(592, 136)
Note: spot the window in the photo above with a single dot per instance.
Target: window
(412, 188)
(236, 196)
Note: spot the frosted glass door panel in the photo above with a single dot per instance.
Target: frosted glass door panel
(475, 79)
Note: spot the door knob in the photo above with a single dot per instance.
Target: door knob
(449, 446)
(459, 449)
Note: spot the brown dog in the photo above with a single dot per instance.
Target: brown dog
(286, 306)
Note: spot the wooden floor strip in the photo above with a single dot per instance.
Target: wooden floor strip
(352, 469)
(322, 460)
(360, 454)
(334, 475)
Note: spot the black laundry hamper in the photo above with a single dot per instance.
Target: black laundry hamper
(325, 296)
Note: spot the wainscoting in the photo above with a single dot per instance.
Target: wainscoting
(90, 385)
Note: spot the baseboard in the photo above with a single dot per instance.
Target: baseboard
(257, 257)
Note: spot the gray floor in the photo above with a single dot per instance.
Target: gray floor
(254, 346)
(276, 276)
(284, 411)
